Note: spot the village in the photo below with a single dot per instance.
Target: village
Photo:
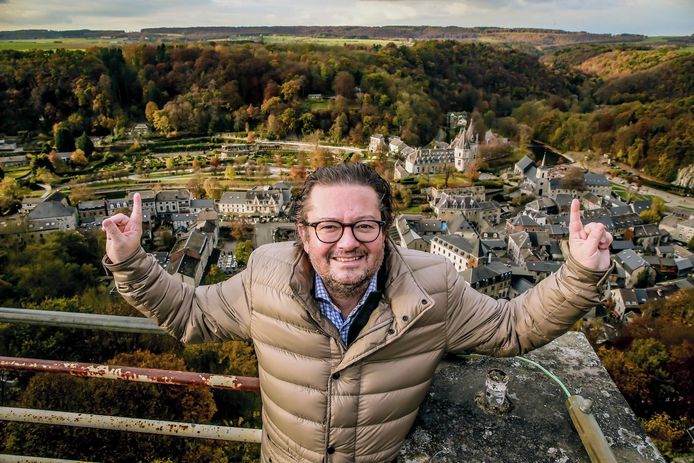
(504, 234)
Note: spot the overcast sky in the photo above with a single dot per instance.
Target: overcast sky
(649, 17)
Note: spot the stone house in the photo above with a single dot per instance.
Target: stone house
(377, 143)
(647, 236)
(149, 198)
(188, 258)
(415, 232)
(252, 203)
(169, 202)
(632, 265)
(464, 253)
(91, 209)
(51, 216)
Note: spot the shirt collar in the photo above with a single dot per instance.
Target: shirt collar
(321, 292)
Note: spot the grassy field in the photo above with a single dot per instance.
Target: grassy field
(52, 44)
(333, 41)
(17, 172)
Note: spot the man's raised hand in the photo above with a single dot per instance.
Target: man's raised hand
(123, 233)
(589, 245)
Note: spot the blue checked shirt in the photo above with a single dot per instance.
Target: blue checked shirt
(333, 313)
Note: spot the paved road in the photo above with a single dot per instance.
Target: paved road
(670, 199)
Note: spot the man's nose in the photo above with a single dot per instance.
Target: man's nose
(347, 240)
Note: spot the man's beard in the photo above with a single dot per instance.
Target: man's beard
(343, 289)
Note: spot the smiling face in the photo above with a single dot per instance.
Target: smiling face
(347, 265)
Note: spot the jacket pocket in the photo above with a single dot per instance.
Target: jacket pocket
(278, 453)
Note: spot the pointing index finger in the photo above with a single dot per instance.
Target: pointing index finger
(136, 215)
(575, 224)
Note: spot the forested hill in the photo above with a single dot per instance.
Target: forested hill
(405, 90)
(535, 37)
(632, 102)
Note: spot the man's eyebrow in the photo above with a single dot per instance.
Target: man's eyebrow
(333, 219)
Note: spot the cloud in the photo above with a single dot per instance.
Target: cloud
(671, 17)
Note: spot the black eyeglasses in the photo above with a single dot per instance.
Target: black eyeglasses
(330, 231)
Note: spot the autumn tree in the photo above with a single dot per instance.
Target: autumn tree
(81, 192)
(290, 89)
(243, 252)
(213, 189)
(151, 109)
(321, 157)
(10, 194)
(78, 158)
(215, 162)
(344, 84)
(241, 230)
(195, 185)
(574, 179)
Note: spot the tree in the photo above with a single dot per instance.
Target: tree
(574, 179)
(243, 252)
(213, 189)
(631, 380)
(241, 230)
(650, 216)
(81, 192)
(10, 194)
(344, 84)
(644, 279)
(229, 173)
(63, 140)
(669, 435)
(215, 276)
(85, 144)
(320, 157)
(150, 111)
(195, 185)
(291, 88)
(79, 158)
(170, 164)
(339, 127)
(690, 244)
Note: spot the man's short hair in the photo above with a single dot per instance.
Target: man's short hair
(348, 173)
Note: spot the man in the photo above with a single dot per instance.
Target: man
(347, 327)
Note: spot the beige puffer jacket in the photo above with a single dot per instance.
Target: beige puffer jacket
(321, 401)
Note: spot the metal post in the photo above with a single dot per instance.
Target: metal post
(119, 423)
(141, 375)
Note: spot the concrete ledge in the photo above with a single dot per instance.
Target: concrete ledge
(452, 428)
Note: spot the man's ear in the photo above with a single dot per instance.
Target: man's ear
(301, 233)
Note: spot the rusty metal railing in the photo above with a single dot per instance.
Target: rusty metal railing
(121, 423)
(115, 372)
(141, 375)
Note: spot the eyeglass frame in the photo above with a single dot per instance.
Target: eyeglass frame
(314, 225)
